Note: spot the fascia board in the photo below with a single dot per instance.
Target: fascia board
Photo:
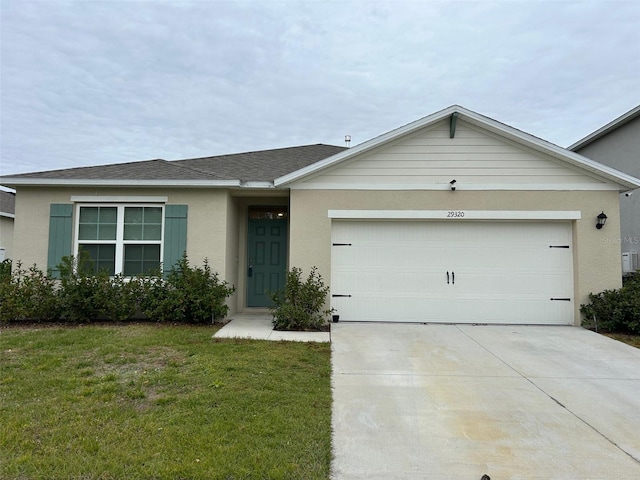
(11, 181)
(257, 184)
(602, 131)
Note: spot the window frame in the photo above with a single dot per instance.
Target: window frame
(119, 241)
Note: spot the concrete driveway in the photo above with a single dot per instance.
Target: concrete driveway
(450, 402)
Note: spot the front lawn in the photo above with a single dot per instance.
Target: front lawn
(161, 402)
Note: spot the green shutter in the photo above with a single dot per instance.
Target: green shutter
(175, 235)
(60, 241)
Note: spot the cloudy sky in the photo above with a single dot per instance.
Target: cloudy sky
(90, 82)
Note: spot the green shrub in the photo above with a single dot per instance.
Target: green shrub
(121, 298)
(615, 310)
(299, 306)
(9, 300)
(83, 293)
(188, 295)
(5, 270)
(28, 295)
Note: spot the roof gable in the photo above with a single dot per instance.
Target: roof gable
(477, 143)
(429, 159)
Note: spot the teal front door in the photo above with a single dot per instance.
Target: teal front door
(267, 259)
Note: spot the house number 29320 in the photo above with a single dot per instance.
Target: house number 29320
(455, 214)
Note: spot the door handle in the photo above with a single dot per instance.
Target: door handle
(250, 271)
(447, 278)
(453, 277)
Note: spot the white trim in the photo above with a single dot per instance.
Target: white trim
(608, 173)
(257, 184)
(119, 183)
(119, 242)
(470, 187)
(117, 199)
(451, 214)
(8, 215)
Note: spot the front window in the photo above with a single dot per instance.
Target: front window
(123, 239)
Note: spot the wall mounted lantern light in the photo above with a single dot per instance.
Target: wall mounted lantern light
(602, 219)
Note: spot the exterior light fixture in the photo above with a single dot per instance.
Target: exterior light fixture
(452, 183)
(602, 219)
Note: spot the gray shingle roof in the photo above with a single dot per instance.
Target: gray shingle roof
(7, 202)
(259, 166)
(263, 165)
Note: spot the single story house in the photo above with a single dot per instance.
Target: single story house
(455, 217)
(7, 216)
(617, 145)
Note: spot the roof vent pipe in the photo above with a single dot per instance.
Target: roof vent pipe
(347, 140)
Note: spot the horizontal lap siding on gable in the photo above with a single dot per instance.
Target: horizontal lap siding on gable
(431, 157)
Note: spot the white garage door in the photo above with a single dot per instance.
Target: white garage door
(458, 272)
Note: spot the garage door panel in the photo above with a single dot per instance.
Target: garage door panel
(378, 282)
(504, 271)
(532, 310)
(518, 282)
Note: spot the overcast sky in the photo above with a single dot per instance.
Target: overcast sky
(91, 82)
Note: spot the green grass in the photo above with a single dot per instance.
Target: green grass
(633, 340)
(161, 402)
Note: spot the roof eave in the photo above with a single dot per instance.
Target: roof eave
(257, 184)
(56, 182)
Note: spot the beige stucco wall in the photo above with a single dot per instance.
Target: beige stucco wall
(6, 235)
(596, 252)
(206, 227)
(216, 227)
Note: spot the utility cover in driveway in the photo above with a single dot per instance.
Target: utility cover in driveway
(452, 272)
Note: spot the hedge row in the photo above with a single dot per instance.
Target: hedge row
(187, 294)
(615, 310)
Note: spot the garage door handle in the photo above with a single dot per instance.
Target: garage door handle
(453, 278)
(447, 278)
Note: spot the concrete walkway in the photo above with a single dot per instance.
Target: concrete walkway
(260, 327)
(443, 402)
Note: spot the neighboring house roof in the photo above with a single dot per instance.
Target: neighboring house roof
(608, 128)
(7, 204)
(258, 168)
(489, 124)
